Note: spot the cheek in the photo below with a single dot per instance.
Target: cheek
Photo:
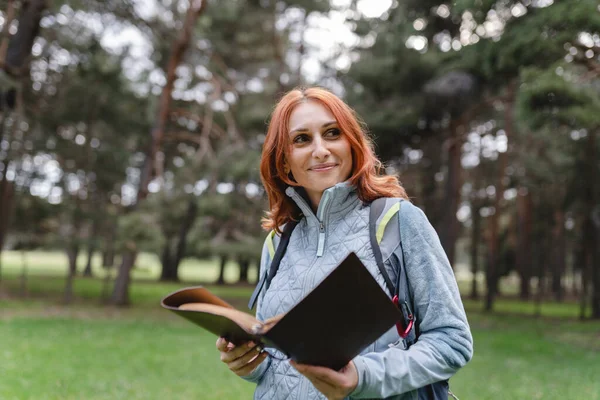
(295, 160)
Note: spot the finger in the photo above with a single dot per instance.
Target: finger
(338, 385)
(327, 381)
(324, 374)
(229, 355)
(243, 359)
(222, 344)
(251, 366)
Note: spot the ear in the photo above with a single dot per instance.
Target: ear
(286, 167)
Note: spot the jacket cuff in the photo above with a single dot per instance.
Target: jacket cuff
(256, 375)
(362, 371)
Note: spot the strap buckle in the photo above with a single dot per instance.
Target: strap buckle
(402, 331)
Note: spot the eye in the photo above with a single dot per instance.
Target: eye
(302, 138)
(332, 133)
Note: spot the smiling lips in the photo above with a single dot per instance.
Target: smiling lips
(323, 167)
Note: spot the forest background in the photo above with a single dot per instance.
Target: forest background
(130, 136)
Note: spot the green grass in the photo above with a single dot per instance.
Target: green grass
(70, 358)
(90, 351)
(527, 358)
(147, 266)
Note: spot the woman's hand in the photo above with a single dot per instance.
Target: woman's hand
(243, 359)
(335, 385)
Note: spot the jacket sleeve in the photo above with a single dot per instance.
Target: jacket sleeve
(256, 375)
(445, 343)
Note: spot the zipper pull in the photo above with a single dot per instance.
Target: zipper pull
(321, 245)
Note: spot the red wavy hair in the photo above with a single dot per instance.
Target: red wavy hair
(366, 168)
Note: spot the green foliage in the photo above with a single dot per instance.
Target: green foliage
(540, 38)
(478, 8)
(139, 231)
(34, 221)
(385, 85)
(547, 98)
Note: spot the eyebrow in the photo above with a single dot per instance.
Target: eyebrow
(325, 125)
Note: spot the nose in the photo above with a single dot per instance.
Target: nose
(320, 150)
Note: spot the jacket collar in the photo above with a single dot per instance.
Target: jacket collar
(338, 199)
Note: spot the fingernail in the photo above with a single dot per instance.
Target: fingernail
(251, 344)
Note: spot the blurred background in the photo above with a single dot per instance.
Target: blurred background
(130, 136)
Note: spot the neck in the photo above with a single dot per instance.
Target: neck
(315, 199)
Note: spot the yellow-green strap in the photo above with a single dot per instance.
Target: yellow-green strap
(384, 221)
(270, 244)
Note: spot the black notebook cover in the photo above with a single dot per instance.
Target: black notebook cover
(345, 313)
(331, 325)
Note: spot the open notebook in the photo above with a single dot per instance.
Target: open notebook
(332, 324)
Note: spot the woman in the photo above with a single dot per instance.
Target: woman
(318, 167)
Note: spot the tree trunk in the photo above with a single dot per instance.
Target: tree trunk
(7, 194)
(491, 276)
(493, 246)
(120, 296)
(595, 269)
(72, 253)
(475, 235)
(221, 279)
(244, 266)
(108, 253)
(585, 277)
(88, 265)
(91, 250)
(558, 248)
(14, 52)
(543, 260)
(19, 46)
(167, 272)
(449, 223)
(431, 166)
(593, 215)
(170, 264)
(190, 218)
(196, 7)
(524, 256)
(9, 15)
(105, 293)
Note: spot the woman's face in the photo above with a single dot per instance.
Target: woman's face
(320, 155)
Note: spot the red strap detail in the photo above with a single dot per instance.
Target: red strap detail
(401, 331)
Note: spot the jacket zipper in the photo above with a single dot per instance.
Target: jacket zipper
(321, 212)
(320, 215)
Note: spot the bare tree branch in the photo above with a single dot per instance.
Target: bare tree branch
(180, 46)
(10, 15)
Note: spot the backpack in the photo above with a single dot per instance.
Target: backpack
(382, 210)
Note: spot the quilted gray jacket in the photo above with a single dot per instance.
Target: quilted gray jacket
(385, 369)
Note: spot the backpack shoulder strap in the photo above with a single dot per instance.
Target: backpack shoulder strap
(276, 256)
(270, 243)
(381, 213)
(377, 208)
